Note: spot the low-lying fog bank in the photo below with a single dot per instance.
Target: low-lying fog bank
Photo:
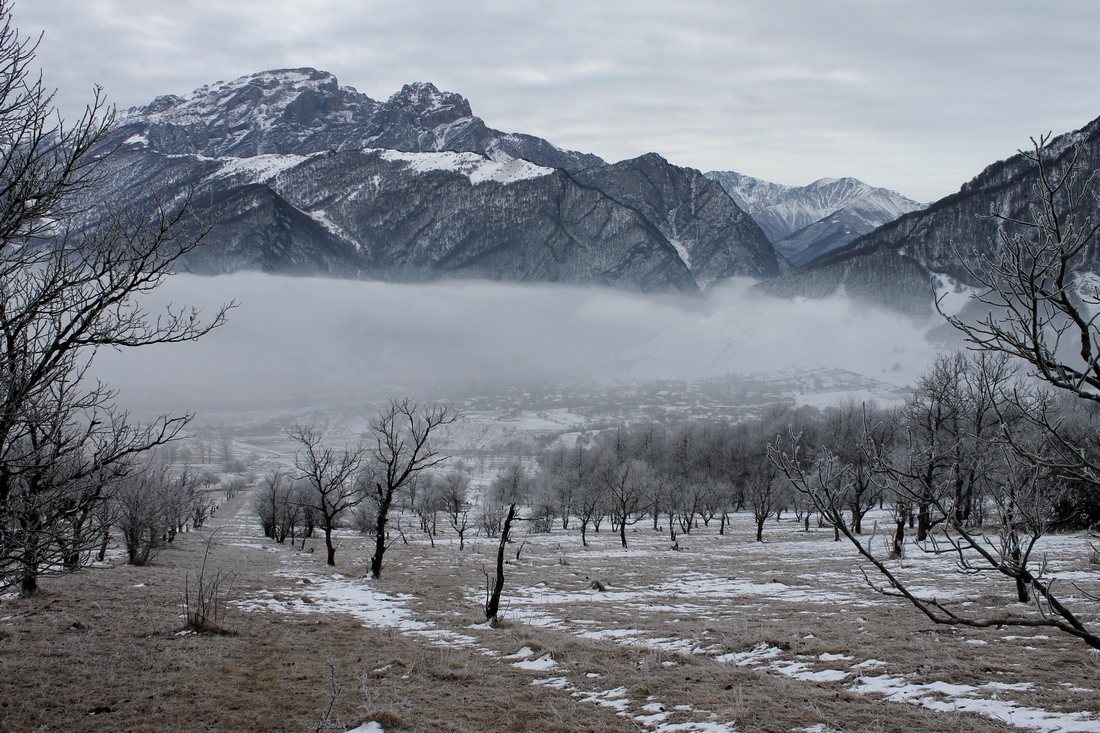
(301, 342)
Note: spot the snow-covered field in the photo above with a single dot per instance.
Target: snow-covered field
(795, 607)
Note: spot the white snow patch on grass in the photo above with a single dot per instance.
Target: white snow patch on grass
(558, 683)
(947, 697)
(759, 654)
(614, 698)
(369, 727)
(541, 664)
(525, 652)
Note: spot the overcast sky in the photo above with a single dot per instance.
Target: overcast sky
(914, 96)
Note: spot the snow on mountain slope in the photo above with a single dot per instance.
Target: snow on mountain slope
(309, 177)
(475, 167)
(305, 111)
(784, 210)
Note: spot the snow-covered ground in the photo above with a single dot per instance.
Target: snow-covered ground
(676, 603)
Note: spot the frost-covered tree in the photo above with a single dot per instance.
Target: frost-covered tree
(329, 473)
(402, 451)
(65, 291)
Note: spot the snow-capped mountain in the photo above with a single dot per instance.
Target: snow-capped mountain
(804, 222)
(896, 263)
(304, 176)
(303, 111)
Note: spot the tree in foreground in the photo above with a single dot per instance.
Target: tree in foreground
(64, 292)
(980, 442)
(402, 452)
(939, 471)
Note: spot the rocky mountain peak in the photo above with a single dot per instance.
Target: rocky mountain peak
(279, 111)
(429, 104)
(267, 95)
(305, 111)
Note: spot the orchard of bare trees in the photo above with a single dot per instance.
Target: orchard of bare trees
(364, 484)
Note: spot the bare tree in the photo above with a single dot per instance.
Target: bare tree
(402, 451)
(589, 499)
(329, 474)
(1021, 493)
(66, 290)
(279, 503)
(509, 489)
(857, 434)
(455, 499)
(1042, 302)
(149, 503)
(626, 486)
(763, 493)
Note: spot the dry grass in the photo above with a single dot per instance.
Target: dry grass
(102, 650)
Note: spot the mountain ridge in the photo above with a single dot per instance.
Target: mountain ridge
(796, 219)
(937, 242)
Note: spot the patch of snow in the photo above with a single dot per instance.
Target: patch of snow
(558, 683)
(614, 698)
(932, 695)
(950, 293)
(524, 653)
(477, 168)
(697, 727)
(258, 168)
(541, 664)
(369, 727)
(757, 655)
(802, 671)
(870, 664)
(683, 251)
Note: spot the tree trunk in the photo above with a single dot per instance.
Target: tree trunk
(329, 546)
(899, 536)
(493, 604)
(380, 532)
(1022, 593)
(924, 522)
(103, 545)
(857, 520)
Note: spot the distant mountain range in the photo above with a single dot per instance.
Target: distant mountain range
(805, 222)
(304, 176)
(899, 262)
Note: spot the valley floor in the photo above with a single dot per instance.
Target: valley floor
(721, 634)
